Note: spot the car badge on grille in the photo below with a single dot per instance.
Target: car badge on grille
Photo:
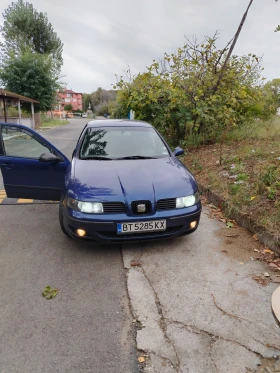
(141, 208)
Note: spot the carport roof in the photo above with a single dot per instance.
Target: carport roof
(11, 95)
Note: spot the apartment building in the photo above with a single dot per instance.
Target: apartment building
(68, 97)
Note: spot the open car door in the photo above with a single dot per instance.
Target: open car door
(31, 166)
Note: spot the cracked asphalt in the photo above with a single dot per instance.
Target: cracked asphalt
(198, 308)
(188, 305)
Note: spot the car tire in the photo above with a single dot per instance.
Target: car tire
(60, 214)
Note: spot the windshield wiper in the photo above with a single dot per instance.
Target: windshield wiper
(136, 157)
(97, 158)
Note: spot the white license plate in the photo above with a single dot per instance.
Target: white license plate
(141, 227)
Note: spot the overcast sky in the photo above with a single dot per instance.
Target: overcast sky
(102, 37)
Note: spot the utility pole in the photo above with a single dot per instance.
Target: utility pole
(232, 46)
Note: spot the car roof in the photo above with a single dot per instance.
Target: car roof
(118, 123)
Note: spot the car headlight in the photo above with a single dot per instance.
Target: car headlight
(187, 201)
(86, 207)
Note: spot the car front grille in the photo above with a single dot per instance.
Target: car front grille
(113, 207)
(166, 204)
(148, 207)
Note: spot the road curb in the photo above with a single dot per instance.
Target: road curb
(269, 239)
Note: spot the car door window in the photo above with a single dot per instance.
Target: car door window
(20, 143)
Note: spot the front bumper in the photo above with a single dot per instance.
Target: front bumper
(105, 230)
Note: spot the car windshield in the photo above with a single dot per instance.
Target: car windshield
(113, 143)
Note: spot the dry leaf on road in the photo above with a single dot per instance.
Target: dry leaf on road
(49, 292)
(135, 263)
(255, 237)
(268, 251)
(260, 280)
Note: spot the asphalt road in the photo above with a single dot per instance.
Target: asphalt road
(87, 327)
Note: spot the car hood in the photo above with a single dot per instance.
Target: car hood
(130, 180)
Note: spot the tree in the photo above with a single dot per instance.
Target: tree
(271, 96)
(273, 86)
(101, 97)
(68, 107)
(31, 54)
(177, 94)
(31, 75)
(25, 28)
(87, 101)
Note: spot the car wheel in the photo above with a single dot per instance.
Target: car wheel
(61, 220)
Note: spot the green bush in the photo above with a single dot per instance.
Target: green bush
(183, 97)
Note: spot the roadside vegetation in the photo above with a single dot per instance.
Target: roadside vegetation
(100, 102)
(53, 123)
(228, 126)
(244, 169)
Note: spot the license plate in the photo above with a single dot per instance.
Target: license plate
(141, 227)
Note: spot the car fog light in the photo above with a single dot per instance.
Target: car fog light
(81, 232)
(193, 224)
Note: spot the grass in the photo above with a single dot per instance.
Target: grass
(256, 130)
(245, 170)
(54, 123)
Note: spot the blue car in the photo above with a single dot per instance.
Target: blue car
(123, 183)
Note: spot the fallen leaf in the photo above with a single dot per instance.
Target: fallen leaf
(251, 199)
(266, 274)
(135, 263)
(141, 359)
(49, 292)
(241, 263)
(255, 237)
(268, 251)
(229, 224)
(256, 250)
(260, 280)
(273, 265)
(224, 251)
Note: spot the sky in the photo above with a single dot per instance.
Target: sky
(102, 37)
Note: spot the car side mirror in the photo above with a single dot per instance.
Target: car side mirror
(178, 151)
(49, 157)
